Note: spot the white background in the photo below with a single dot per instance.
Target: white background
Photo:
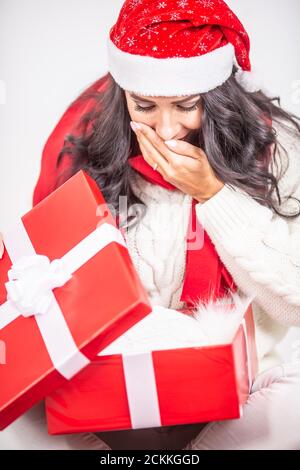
(50, 51)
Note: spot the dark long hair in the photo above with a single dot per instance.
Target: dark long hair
(236, 133)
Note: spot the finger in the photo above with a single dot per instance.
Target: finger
(185, 148)
(149, 160)
(151, 136)
(172, 151)
(145, 155)
(153, 154)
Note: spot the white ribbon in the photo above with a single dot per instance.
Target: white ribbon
(249, 363)
(31, 280)
(141, 390)
(29, 290)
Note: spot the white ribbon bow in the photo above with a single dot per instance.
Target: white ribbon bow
(31, 280)
(29, 290)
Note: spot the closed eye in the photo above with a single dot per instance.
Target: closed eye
(182, 108)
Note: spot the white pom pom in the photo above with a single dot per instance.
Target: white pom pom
(220, 319)
(250, 81)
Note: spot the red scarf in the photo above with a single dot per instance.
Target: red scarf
(206, 278)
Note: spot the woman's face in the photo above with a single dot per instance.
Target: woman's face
(171, 117)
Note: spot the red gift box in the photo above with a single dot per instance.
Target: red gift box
(158, 388)
(68, 288)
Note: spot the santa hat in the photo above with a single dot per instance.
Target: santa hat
(178, 47)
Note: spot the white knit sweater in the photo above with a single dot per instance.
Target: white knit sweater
(260, 249)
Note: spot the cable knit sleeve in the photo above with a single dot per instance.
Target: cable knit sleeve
(259, 248)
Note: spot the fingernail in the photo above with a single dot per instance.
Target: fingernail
(171, 143)
(135, 125)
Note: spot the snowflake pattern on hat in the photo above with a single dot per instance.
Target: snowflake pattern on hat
(193, 38)
(179, 28)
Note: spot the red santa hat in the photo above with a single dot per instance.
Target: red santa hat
(178, 47)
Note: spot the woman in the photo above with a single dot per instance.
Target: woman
(235, 168)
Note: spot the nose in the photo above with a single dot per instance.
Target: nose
(167, 127)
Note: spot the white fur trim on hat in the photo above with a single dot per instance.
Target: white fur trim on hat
(172, 76)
